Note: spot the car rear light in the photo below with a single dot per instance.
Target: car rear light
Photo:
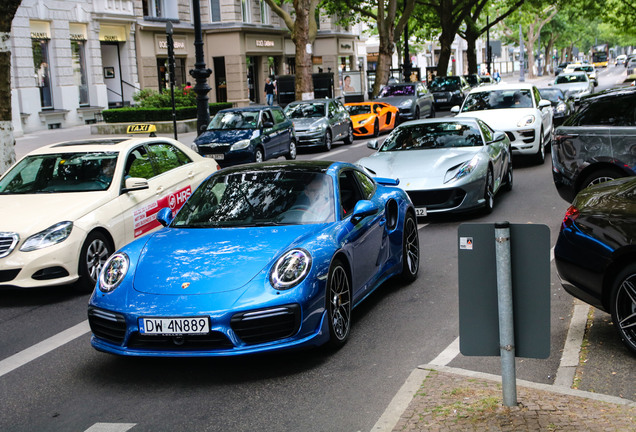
(570, 216)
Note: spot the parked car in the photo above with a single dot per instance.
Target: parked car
(445, 165)
(448, 90)
(263, 257)
(320, 122)
(596, 143)
(517, 109)
(562, 105)
(595, 255)
(412, 99)
(248, 134)
(631, 65)
(372, 118)
(66, 207)
(620, 60)
(574, 84)
(472, 80)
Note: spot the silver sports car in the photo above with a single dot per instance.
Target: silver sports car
(446, 164)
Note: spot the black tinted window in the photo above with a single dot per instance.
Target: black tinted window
(611, 111)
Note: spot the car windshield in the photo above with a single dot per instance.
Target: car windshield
(445, 84)
(358, 109)
(567, 79)
(302, 110)
(587, 68)
(259, 198)
(234, 120)
(397, 90)
(497, 99)
(61, 172)
(553, 95)
(432, 136)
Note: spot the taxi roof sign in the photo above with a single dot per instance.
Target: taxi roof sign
(142, 128)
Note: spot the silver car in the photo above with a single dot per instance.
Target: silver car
(446, 164)
(574, 84)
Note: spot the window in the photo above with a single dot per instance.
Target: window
(167, 157)
(610, 111)
(167, 9)
(215, 10)
(485, 129)
(245, 10)
(264, 13)
(42, 71)
(279, 116)
(138, 164)
(368, 186)
(78, 57)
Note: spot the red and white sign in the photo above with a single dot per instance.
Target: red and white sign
(145, 218)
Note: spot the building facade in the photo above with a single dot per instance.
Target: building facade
(71, 59)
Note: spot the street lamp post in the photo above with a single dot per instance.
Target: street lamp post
(170, 42)
(200, 73)
(522, 77)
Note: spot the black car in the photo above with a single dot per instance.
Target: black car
(473, 80)
(595, 253)
(320, 122)
(597, 143)
(248, 134)
(560, 68)
(562, 105)
(449, 91)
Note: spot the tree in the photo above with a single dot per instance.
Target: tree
(303, 28)
(8, 8)
(385, 15)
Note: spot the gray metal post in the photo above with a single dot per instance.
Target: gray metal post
(522, 76)
(506, 322)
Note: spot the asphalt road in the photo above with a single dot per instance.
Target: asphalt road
(48, 384)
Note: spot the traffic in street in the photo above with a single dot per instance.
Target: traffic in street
(53, 379)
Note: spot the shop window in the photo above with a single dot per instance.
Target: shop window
(166, 9)
(264, 12)
(163, 73)
(78, 60)
(42, 71)
(215, 10)
(245, 10)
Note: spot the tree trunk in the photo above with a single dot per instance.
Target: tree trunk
(300, 36)
(385, 54)
(8, 9)
(471, 51)
(445, 52)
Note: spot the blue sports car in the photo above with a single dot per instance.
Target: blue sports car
(261, 257)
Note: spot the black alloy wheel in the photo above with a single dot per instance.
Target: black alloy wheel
(410, 249)
(338, 304)
(349, 138)
(328, 140)
(623, 306)
(489, 193)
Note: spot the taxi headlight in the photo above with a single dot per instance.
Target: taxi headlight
(290, 269)
(52, 235)
(113, 272)
(526, 121)
(240, 145)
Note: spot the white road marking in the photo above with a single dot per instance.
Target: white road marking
(447, 356)
(328, 155)
(111, 427)
(44, 347)
(571, 350)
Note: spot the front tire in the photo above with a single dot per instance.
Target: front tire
(291, 154)
(349, 138)
(600, 176)
(539, 156)
(338, 304)
(417, 113)
(410, 249)
(93, 256)
(489, 193)
(328, 140)
(258, 155)
(623, 306)
(508, 180)
(432, 112)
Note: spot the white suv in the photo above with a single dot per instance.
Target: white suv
(516, 109)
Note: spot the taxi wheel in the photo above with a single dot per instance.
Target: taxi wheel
(95, 252)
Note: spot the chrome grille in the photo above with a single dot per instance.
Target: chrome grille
(8, 241)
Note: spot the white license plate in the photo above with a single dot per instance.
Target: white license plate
(442, 100)
(420, 211)
(174, 326)
(216, 156)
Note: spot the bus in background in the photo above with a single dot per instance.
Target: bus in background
(600, 56)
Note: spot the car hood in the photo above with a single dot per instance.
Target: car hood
(502, 119)
(29, 214)
(577, 87)
(394, 100)
(306, 122)
(417, 169)
(225, 136)
(361, 117)
(211, 260)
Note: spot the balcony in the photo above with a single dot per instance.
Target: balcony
(113, 8)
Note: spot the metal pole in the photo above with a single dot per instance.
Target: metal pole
(407, 57)
(200, 73)
(506, 322)
(488, 52)
(539, 58)
(522, 77)
(170, 43)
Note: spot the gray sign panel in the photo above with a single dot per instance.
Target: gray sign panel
(478, 312)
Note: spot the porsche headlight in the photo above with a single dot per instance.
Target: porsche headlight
(526, 121)
(318, 126)
(290, 269)
(113, 272)
(461, 170)
(52, 235)
(240, 145)
(406, 104)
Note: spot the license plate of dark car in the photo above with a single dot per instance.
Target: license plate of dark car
(174, 326)
(217, 156)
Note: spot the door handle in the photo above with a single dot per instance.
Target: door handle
(159, 189)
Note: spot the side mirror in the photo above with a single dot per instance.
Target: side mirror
(134, 184)
(455, 109)
(363, 209)
(373, 144)
(164, 216)
(268, 124)
(544, 103)
(498, 136)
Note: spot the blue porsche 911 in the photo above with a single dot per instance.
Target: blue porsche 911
(261, 257)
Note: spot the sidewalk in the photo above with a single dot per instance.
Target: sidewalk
(450, 399)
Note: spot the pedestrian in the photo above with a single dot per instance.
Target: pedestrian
(270, 89)
(496, 75)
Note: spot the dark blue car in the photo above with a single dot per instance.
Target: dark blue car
(249, 134)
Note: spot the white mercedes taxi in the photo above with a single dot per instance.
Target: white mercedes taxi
(66, 207)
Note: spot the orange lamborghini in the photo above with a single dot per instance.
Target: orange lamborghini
(371, 118)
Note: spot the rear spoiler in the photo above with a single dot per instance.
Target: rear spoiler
(387, 181)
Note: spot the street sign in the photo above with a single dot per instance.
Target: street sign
(530, 276)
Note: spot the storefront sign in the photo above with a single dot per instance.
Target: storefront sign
(263, 43)
(345, 46)
(179, 44)
(109, 33)
(40, 29)
(77, 32)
